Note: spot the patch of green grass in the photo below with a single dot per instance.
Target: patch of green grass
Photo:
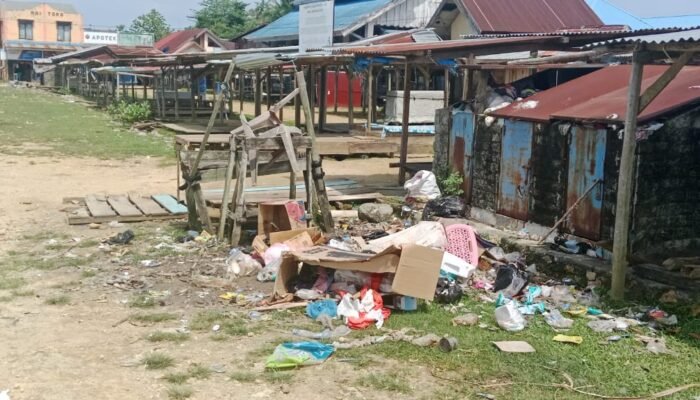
(88, 273)
(63, 285)
(264, 351)
(219, 338)
(6, 299)
(70, 129)
(278, 377)
(177, 378)
(388, 382)
(623, 369)
(197, 371)
(179, 392)
(158, 361)
(153, 318)
(23, 293)
(60, 300)
(243, 376)
(142, 301)
(84, 244)
(8, 283)
(160, 336)
(229, 324)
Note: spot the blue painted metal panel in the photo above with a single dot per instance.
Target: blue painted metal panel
(170, 203)
(516, 150)
(346, 14)
(586, 162)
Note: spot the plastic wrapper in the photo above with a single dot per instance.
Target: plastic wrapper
(510, 280)
(509, 318)
(558, 321)
(444, 207)
(240, 264)
(292, 355)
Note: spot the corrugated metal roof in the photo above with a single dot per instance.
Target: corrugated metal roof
(347, 12)
(502, 16)
(409, 14)
(446, 45)
(601, 96)
(172, 42)
(648, 14)
(685, 36)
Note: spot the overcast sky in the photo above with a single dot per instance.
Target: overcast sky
(110, 13)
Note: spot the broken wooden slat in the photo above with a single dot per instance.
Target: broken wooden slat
(169, 203)
(289, 148)
(99, 207)
(148, 206)
(123, 206)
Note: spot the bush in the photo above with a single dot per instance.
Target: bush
(130, 112)
(450, 182)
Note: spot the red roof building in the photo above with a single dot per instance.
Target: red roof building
(455, 18)
(191, 41)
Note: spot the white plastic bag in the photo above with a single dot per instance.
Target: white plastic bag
(240, 264)
(509, 318)
(425, 233)
(423, 184)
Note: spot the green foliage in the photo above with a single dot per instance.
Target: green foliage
(130, 112)
(152, 22)
(158, 361)
(450, 182)
(230, 18)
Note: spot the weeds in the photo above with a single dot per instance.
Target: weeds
(23, 293)
(179, 392)
(389, 382)
(277, 377)
(153, 318)
(159, 336)
(229, 324)
(60, 300)
(177, 378)
(243, 376)
(7, 283)
(130, 112)
(142, 301)
(88, 273)
(158, 361)
(197, 371)
(450, 182)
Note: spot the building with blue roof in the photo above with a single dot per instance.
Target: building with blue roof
(354, 20)
(648, 14)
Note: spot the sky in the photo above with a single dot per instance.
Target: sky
(110, 13)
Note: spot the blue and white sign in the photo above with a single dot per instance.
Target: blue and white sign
(316, 25)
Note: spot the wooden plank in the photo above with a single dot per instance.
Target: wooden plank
(80, 220)
(123, 206)
(359, 194)
(148, 206)
(169, 203)
(99, 207)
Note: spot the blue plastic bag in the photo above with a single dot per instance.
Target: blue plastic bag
(318, 308)
(292, 355)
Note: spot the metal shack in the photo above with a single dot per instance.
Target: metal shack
(541, 154)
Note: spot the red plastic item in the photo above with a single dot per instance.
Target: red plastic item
(461, 242)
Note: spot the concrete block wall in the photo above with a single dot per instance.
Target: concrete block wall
(487, 164)
(549, 177)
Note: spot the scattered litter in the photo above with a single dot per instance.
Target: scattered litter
(509, 318)
(601, 326)
(615, 338)
(447, 291)
(422, 185)
(326, 334)
(292, 355)
(5, 395)
(470, 319)
(122, 238)
(216, 328)
(514, 347)
(444, 207)
(568, 339)
(448, 344)
(322, 307)
(510, 280)
(654, 345)
(150, 263)
(94, 225)
(115, 224)
(486, 396)
(240, 264)
(558, 321)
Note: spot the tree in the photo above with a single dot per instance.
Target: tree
(226, 18)
(152, 22)
(267, 11)
(121, 28)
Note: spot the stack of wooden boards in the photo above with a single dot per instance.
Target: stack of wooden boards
(97, 208)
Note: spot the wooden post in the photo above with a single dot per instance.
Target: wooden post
(370, 98)
(312, 92)
(447, 87)
(404, 121)
(177, 97)
(258, 92)
(297, 106)
(241, 89)
(268, 85)
(239, 195)
(323, 100)
(194, 190)
(157, 98)
(117, 91)
(193, 89)
(625, 182)
(326, 219)
(281, 113)
(351, 101)
(161, 90)
(133, 87)
(227, 188)
(145, 89)
(335, 92)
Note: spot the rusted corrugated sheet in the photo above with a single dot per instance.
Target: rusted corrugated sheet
(502, 16)
(516, 151)
(419, 48)
(586, 162)
(601, 96)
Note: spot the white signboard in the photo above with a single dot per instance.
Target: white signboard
(315, 25)
(100, 37)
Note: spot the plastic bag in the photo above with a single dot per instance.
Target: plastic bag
(318, 308)
(447, 291)
(379, 282)
(425, 233)
(423, 184)
(510, 280)
(274, 252)
(326, 334)
(509, 318)
(558, 321)
(239, 263)
(291, 355)
(444, 207)
(269, 272)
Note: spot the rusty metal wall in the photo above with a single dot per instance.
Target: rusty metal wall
(462, 149)
(514, 193)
